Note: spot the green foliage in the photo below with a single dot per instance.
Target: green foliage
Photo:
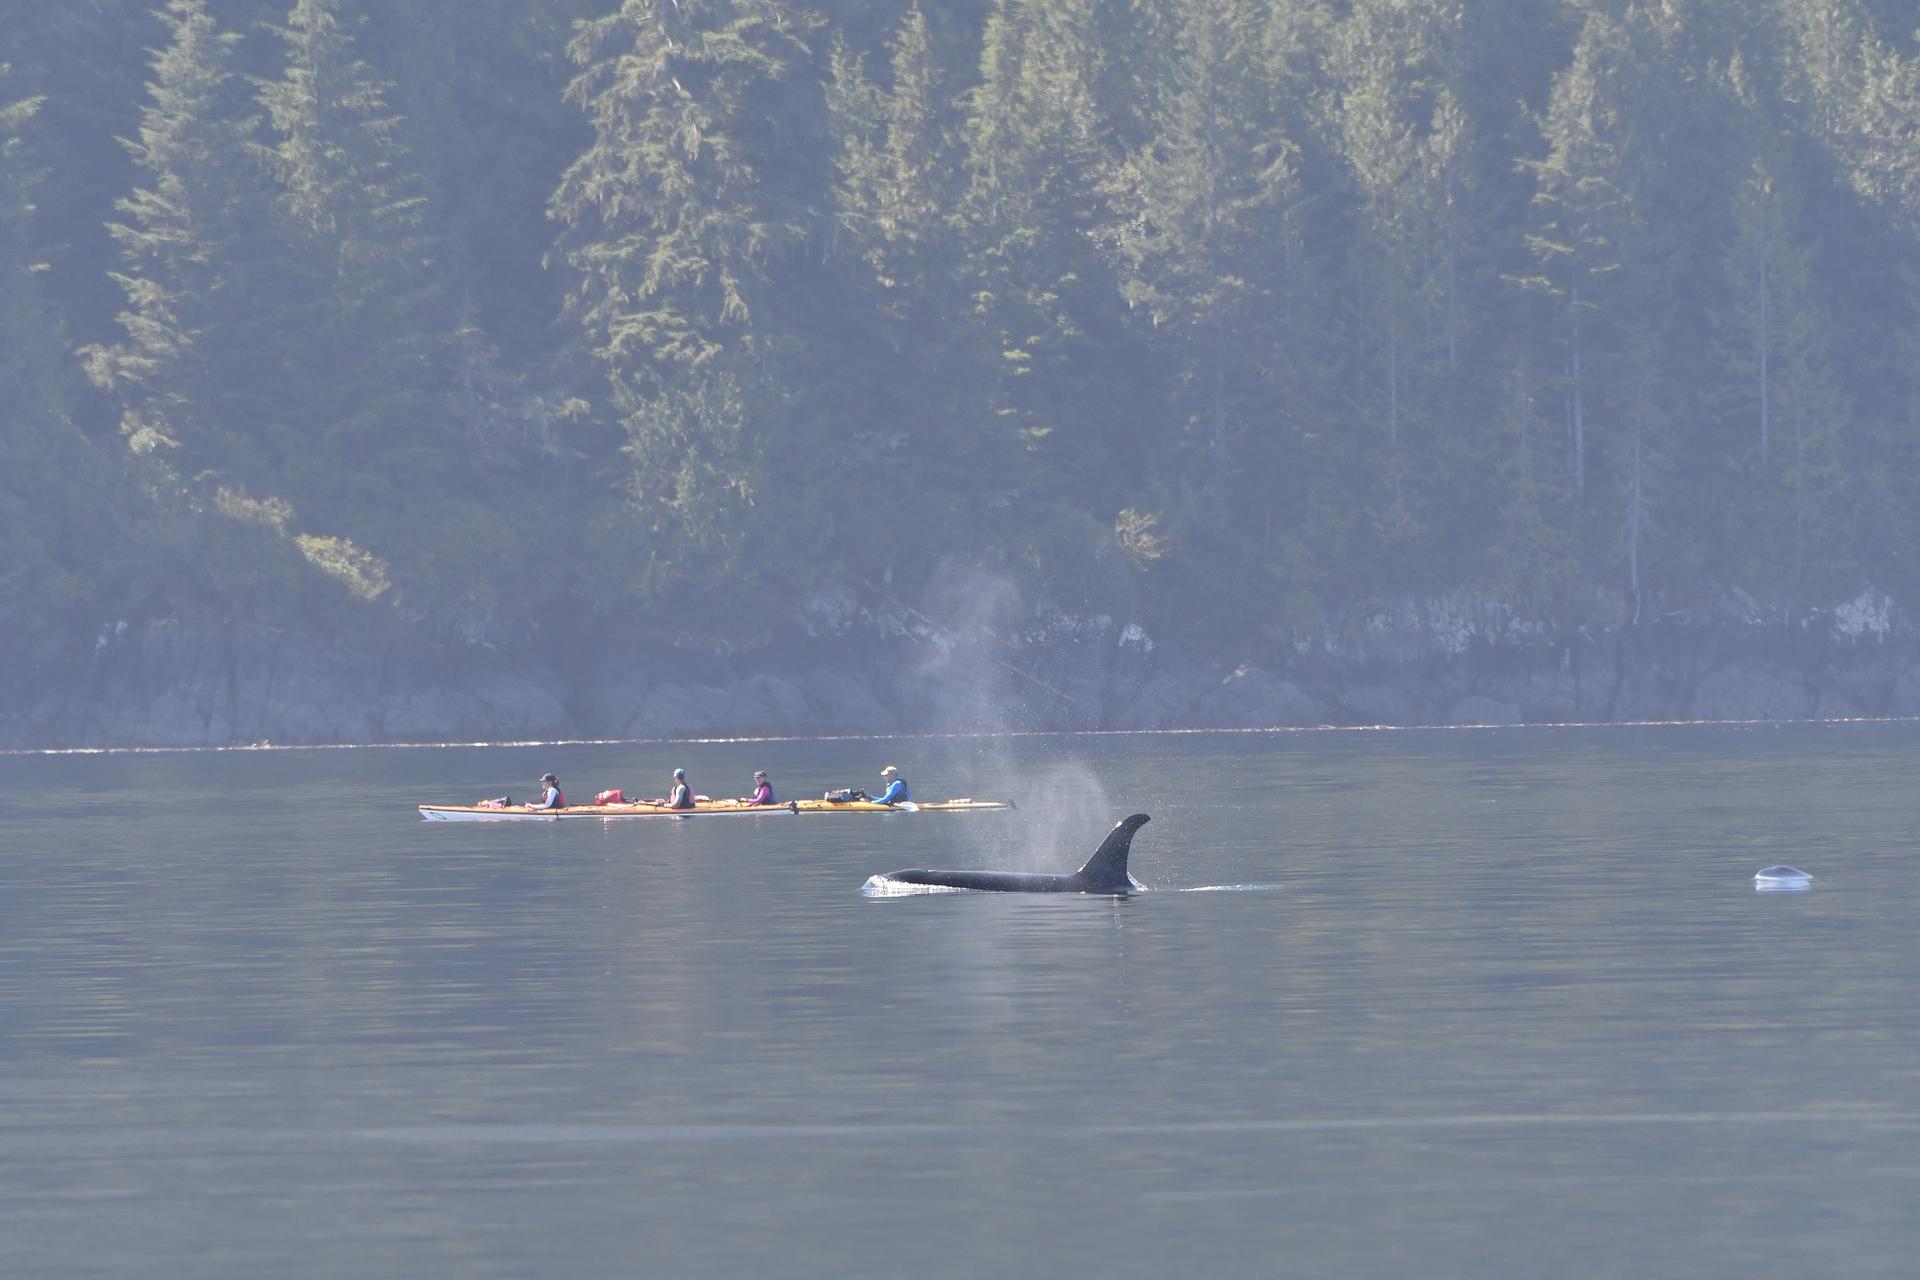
(65, 539)
(1137, 534)
(188, 235)
(362, 574)
(1244, 316)
(671, 210)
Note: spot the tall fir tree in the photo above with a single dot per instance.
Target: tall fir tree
(1212, 245)
(365, 338)
(351, 203)
(1535, 562)
(194, 246)
(671, 213)
(1042, 163)
(1781, 387)
(907, 358)
(84, 60)
(1404, 133)
(671, 219)
(66, 518)
(1606, 256)
(371, 359)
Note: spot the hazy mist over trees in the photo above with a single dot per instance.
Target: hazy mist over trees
(509, 321)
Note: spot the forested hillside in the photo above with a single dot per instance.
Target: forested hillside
(560, 326)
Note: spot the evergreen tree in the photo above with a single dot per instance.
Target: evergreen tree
(1608, 258)
(919, 168)
(84, 61)
(365, 341)
(1408, 162)
(479, 87)
(1638, 446)
(1535, 562)
(671, 213)
(351, 200)
(1579, 213)
(899, 169)
(1214, 257)
(1773, 337)
(63, 509)
(1819, 61)
(1135, 301)
(904, 354)
(374, 363)
(673, 217)
(1040, 214)
(189, 247)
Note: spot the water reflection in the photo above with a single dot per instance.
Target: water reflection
(1429, 1004)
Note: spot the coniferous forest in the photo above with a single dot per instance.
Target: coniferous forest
(563, 326)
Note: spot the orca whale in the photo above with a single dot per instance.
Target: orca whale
(1105, 872)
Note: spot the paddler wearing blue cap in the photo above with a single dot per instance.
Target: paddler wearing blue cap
(681, 797)
(896, 792)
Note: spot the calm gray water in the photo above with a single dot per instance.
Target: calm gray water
(1486, 1003)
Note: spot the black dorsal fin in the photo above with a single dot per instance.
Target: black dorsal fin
(1106, 870)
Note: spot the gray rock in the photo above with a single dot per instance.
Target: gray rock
(1752, 689)
(965, 689)
(1250, 698)
(419, 715)
(682, 711)
(1476, 709)
(1164, 690)
(841, 703)
(1379, 704)
(1837, 706)
(1866, 683)
(1643, 696)
(299, 714)
(1067, 694)
(510, 705)
(1905, 698)
(613, 701)
(1166, 699)
(767, 704)
(499, 706)
(1545, 697)
(1130, 659)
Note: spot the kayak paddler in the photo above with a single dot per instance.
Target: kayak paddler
(550, 797)
(896, 792)
(681, 796)
(762, 790)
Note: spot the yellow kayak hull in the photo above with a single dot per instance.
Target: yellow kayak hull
(483, 813)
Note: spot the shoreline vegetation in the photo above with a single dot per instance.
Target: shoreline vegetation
(205, 690)
(480, 369)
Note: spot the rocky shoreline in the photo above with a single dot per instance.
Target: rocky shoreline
(168, 684)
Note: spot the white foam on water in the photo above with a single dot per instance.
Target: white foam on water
(885, 887)
(1234, 888)
(965, 735)
(1774, 879)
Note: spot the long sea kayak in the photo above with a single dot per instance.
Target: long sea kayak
(520, 813)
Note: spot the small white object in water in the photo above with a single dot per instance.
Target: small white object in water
(1782, 877)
